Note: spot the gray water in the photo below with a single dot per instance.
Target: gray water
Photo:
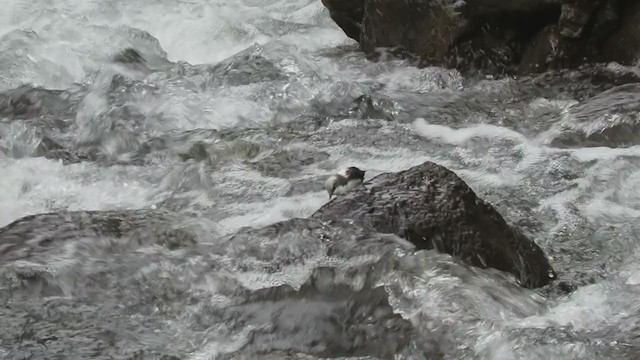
(242, 110)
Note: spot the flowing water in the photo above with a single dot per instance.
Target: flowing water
(240, 111)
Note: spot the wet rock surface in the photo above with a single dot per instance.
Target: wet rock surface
(497, 37)
(329, 310)
(333, 311)
(29, 101)
(607, 119)
(433, 208)
(373, 329)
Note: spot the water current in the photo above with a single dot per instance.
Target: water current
(240, 111)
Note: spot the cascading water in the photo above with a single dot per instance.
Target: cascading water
(238, 113)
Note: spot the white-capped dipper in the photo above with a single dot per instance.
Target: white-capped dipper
(339, 184)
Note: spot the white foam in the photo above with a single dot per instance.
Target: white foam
(604, 153)
(38, 185)
(73, 38)
(259, 214)
(447, 135)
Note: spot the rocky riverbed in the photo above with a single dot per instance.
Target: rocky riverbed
(162, 192)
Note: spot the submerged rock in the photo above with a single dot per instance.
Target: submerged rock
(32, 235)
(607, 119)
(495, 36)
(152, 261)
(133, 59)
(129, 56)
(433, 208)
(252, 65)
(28, 101)
(331, 322)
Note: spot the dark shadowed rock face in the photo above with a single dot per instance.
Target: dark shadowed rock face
(428, 29)
(348, 15)
(624, 43)
(433, 208)
(495, 36)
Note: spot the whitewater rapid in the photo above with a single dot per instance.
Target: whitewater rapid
(244, 109)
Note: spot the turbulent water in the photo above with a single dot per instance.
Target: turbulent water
(240, 111)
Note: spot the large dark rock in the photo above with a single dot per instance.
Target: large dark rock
(495, 36)
(427, 29)
(624, 43)
(348, 15)
(432, 207)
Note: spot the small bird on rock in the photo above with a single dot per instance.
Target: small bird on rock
(339, 184)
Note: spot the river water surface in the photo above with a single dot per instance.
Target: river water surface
(241, 111)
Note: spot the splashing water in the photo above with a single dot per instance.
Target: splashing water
(233, 120)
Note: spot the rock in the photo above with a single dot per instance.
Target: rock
(428, 29)
(132, 59)
(47, 145)
(428, 205)
(581, 83)
(575, 16)
(129, 56)
(368, 107)
(30, 236)
(624, 44)
(367, 326)
(255, 64)
(28, 101)
(311, 305)
(495, 36)
(606, 119)
(431, 207)
(348, 15)
(548, 50)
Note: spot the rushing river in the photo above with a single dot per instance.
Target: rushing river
(240, 112)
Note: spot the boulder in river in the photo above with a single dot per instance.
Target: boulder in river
(495, 36)
(427, 205)
(28, 101)
(433, 208)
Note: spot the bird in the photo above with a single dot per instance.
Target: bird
(340, 184)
